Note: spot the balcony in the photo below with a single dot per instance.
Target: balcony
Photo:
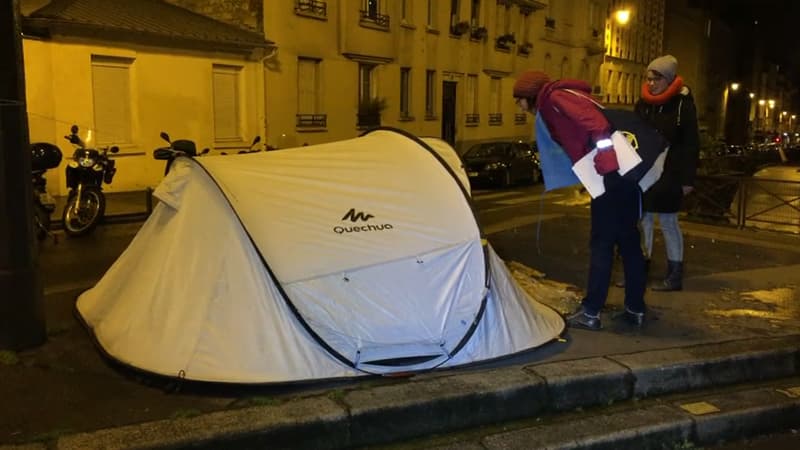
(473, 120)
(459, 28)
(312, 120)
(478, 33)
(495, 119)
(525, 49)
(312, 8)
(375, 19)
(505, 41)
(520, 118)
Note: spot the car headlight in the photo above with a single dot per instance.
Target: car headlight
(86, 161)
(495, 166)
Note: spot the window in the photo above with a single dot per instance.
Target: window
(111, 92)
(366, 83)
(454, 16)
(405, 90)
(471, 104)
(372, 12)
(502, 19)
(495, 99)
(430, 93)
(226, 103)
(475, 14)
(308, 94)
(406, 11)
(431, 14)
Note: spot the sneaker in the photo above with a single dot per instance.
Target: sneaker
(635, 319)
(581, 319)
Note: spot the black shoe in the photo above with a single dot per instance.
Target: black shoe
(631, 318)
(580, 319)
(674, 279)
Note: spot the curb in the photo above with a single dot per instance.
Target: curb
(441, 402)
(739, 415)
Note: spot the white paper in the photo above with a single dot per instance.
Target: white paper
(585, 171)
(627, 158)
(654, 173)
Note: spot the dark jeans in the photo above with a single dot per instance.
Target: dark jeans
(615, 218)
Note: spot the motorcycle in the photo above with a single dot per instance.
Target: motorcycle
(44, 156)
(250, 149)
(180, 147)
(86, 173)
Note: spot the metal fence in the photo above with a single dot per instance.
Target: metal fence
(746, 201)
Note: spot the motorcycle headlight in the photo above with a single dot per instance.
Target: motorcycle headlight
(86, 161)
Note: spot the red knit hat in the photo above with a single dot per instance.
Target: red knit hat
(529, 83)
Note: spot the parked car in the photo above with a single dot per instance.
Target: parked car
(502, 163)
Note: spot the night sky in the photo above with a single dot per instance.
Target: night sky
(775, 23)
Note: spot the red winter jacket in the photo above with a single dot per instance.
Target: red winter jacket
(573, 121)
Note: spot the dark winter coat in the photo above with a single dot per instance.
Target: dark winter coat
(676, 120)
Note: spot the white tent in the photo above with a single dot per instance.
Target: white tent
(334, 260)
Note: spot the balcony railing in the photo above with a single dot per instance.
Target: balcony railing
(495, 118)
(473, 119)
(312, 120)
(550, 23)
(381, 20)
(312, 7)
(520, 118)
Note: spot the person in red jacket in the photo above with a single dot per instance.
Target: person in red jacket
(577, 127)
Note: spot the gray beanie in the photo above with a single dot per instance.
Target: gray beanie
(666, 65)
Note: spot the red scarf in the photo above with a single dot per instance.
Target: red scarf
(672, 90)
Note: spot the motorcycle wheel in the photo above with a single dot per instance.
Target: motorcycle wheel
(82, 219)
(41, 221)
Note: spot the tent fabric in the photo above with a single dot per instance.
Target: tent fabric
(337, 260)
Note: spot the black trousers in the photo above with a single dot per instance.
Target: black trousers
(615, 220)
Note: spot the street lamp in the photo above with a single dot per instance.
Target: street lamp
(735, 86)
(622, 16)
(752, 95)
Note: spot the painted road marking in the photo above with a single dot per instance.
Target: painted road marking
(699, 408)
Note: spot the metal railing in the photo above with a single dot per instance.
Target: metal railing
(520, 118)
(495, 118)
(382, 20)
(315, 7)
(312, 120)
(746, 201)
(473, 119)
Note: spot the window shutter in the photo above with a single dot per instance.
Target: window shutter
(112, 103)
(226, 104)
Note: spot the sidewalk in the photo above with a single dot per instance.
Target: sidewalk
(736, 321)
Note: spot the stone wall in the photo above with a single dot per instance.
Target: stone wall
(246, 14)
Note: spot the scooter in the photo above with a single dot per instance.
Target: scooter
(180, 147)
(44, 156)
(86, 173)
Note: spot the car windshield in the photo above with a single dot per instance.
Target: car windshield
(484, 150)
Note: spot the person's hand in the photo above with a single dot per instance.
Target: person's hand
(605, 161)
(687, 189)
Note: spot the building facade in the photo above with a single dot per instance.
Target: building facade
(334, 68)
(431, 67)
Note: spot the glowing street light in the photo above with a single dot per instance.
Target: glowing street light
(752, 95)
(622, 16)
(761, 102)
(735, 86)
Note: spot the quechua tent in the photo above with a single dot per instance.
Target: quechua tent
(355, 257)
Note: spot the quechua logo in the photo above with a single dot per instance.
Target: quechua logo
(359, 216)
(356, 216)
